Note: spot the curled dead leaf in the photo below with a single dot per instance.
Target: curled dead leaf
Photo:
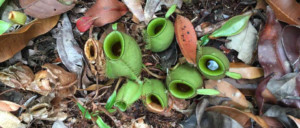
(44, 8)
(227, 90)
(296, 120)
(286, 10)
(8, 106)
(11, 43)
(247, 71)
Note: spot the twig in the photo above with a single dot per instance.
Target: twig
(153, 74)
(117, 122)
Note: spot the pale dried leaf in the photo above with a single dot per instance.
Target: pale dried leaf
(244, 43)
(8, 120)
(135, 6)
(247, 71)
(8, 106)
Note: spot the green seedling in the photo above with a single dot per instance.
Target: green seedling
(88, 116)
(155, 95)
(213, 64)
(128, 94)
(204, 40)
(4, 26)
(123, 55)
(210, 92)
(1, 2)
(110, 102)
(233, 26)
(160, 32)
(17, 17)
(184, 81)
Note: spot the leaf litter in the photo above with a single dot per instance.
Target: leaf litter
(55, 82)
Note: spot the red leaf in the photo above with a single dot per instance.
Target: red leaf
(84, 23)
(186, 38)
(106, 11)
(271, 54)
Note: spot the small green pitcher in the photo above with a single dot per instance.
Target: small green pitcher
(123, 55)
(160, 32)
(184, 81)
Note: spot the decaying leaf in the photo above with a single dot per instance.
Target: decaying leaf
(8, 120)
(44, 8)
(11, 43)
(186, 38)
(227, 90)
(245, 43)
(286, 10)
(84, 23)
(291, 43)
(271, 54)
(169, 56)
(281, 113)
(260, 99)
(106, 11)
(17, 76)
(135, 6)
(296, 120)
(247, 71)
(67, 47)
(8, 106)
(242, 117)
(153, 6)
(286, 89)
(139, 123)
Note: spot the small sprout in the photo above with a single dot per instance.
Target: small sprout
(4, 26)
(17, 17)
(111, 101)
(86, 113)
(101, 123)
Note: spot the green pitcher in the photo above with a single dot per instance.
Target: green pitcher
(160, 32)
(155, 95)
(123, 55)
(184, 81)
(213, 64)
(127, 95)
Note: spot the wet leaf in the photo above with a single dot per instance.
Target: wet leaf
(169, 56)
(244, 43)
(106, 11)
(8, 106)
(242, 117)
(44, 8)
(68, 50)
(12, 43)
(101, 123)
(186, 38)
(111, 101)
(286, 89)
(4, 26)
(135, 6)
(271, 54)
(281, 113)
(247, 71)
(260, 99)
(233, 26)
(291, 43)
(84, 23)
(8, 120)
(227, 90)
(208, 92)
(286, 10)
(83, 110)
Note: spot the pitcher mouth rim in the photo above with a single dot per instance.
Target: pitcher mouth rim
(161, 31)
(122, 41)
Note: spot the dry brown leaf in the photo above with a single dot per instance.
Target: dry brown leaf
(242, 117)
(106, 11)
(227, 90)
(44, 8)
(93, 87)
(286, 10)
(296, 120)
(135, 6)
(8, 106)
(261, 4)
(8, 120)
(11, 43)
(247, 71)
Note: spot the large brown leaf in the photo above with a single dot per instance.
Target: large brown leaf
(270, 50)
(11, 43)
(242, 117)
(186, 38)
(286, 10)
(106, 11)
(44, 8)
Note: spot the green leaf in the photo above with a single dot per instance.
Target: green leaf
(84, 111)
(112, 110)
(170, 11)
(204, 40)
(234, 75)
(101, 123)
(233, 26)
(111, 101)
(1, 2)
(208, 92)
(4, 26)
